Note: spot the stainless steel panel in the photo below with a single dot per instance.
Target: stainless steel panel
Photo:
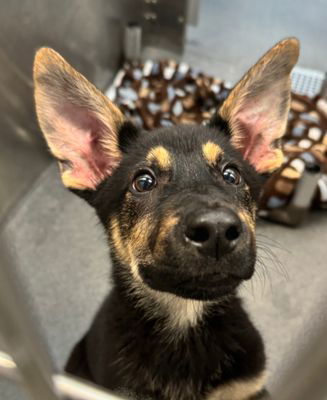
(87, 33)
(90, 35)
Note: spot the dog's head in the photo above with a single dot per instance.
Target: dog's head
(178, 203)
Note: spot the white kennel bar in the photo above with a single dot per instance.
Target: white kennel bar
(64, 385)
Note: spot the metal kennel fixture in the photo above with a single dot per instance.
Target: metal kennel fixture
(158, 25)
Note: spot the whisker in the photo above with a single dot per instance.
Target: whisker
(274, 260)
(272, 242)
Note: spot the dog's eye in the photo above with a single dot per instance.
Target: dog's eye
(144, 181)
(232, 176)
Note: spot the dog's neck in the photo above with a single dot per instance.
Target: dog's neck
(179, 313)
(176, 314)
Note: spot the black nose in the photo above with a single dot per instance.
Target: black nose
(213, 232)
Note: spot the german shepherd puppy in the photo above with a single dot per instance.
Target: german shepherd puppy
(178, 206)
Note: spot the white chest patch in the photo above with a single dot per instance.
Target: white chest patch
(182, 313)
(179, 313)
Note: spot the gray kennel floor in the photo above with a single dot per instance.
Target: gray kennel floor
(59, 248)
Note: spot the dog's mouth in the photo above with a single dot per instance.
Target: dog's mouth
(207, 286)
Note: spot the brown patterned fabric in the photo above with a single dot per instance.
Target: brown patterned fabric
(162, 94)
(305, 147)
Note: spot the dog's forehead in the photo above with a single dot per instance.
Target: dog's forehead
(168, 147)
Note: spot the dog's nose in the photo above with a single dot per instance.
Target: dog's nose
(213, 232)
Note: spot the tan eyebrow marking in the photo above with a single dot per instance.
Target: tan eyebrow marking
(211, 152)
(160, 155)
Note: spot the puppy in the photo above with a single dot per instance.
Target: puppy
(178, 206)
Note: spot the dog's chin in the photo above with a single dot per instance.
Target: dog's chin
(205, 291)
(207, 287)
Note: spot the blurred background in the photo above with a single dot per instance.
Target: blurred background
(53, 240)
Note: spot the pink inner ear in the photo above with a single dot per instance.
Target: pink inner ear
(256, 129)
(252, 143)
(77, 138)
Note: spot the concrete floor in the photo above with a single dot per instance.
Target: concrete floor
(58, 245)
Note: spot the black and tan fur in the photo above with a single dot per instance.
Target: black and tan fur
(173, 327)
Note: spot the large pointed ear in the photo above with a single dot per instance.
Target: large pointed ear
(79, 123)
(257, 108)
